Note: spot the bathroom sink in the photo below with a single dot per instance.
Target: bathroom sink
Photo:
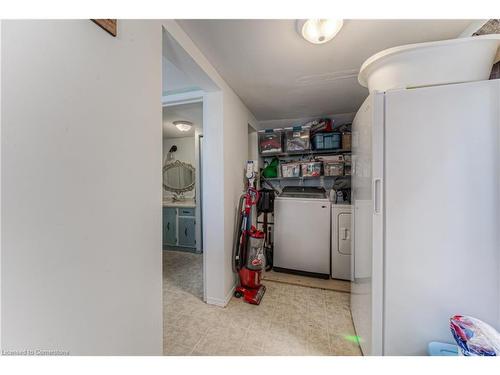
(184, 203)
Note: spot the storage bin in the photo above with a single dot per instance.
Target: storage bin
(270, 141)
(327, 141)
(317, 142)
(311, 169)
(289, 170)
(346, 140)
(332, 158)
(334, 169)
(297, 139)
(347, 169)
(332, 141)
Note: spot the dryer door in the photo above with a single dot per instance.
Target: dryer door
(344, 234)
(341, 242)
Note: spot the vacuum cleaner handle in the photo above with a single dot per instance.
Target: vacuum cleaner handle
(252, 191)
(237, 261)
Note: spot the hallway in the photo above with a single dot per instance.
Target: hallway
(291, 320)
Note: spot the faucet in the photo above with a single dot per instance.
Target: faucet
(178, 197)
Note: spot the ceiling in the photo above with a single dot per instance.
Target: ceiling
(175, 80)
(191, 112)
(279, 75)
(180, 72)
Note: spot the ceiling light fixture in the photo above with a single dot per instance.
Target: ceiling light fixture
(319, 31)
(183, 126)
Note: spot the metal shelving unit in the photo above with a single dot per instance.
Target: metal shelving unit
(305, 178)
(310, 153)
(307, 153)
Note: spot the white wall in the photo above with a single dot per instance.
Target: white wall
(1, 152)
(185, 153)
(253, 145)
(225, 120)
(213, 199)
(81, 186)
(236, 122)
(177, 81)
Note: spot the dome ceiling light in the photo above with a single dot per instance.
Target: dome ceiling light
(183, 126)
(319, 31)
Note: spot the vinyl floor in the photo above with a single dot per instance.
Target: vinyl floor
(291, 319)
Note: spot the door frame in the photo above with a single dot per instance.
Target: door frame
(199, 163)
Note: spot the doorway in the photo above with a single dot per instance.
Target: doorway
(183, 271)
(182, 130)
(191, 271)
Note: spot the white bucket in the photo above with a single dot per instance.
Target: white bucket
(433, 63)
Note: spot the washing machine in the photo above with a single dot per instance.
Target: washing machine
(302, 231)
(341, 241)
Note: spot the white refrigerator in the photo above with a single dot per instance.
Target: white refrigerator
(426, 218)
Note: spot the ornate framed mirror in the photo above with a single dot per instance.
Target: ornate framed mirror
(178, 177)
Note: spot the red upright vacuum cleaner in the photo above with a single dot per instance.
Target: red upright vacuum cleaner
(248, 250)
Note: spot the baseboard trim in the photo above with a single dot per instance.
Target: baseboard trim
(221, 302)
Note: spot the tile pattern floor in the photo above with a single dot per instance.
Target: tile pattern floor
(291, 320)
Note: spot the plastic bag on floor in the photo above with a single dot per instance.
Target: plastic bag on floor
(474, 337)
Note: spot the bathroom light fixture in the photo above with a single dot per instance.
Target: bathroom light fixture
(319, 31)
(183, 126)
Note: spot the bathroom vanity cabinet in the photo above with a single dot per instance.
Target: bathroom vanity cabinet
(179, 226)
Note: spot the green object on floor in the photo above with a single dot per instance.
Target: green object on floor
(271, 171)
(353, 338)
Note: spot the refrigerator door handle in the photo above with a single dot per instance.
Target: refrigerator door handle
(377, 195)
